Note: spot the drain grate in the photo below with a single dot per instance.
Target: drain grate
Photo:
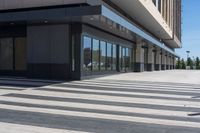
(194, 114)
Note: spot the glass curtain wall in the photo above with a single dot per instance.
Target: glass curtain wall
(125, 55)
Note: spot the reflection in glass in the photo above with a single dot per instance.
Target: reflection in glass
(103, 55)
(95, 55)
(87, 50)
(109, 56)
(123, 59)
(6, 54)
(127, 59)
(114, 63)
(20, 53)
(120, 58)
(130, 58)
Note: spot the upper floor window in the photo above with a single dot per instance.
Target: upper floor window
(157, 3)
(154, 2)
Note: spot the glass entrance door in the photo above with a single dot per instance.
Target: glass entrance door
(20, 54)
(124, 59)
(155, 56)
(6, 54)
(13, 55)
(145, 58)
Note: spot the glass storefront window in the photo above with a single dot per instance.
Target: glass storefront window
(13, 54)
(127, 59)
(6, 54)
(114, 63)
(103, 55)
(87, 51)
(95, 55)
(109, 56)
(120, 57)
(20, 54)
(123, 59)
(145, 58)
(130, 58)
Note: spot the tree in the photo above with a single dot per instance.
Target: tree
(197, 63)
(178, 64)
(183, 65)
(190, 62)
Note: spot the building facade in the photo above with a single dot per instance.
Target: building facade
(74, 39)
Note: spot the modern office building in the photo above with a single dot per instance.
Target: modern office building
(73, 39)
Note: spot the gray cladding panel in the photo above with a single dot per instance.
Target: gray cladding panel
(14, 4)
(59, 44)
(38, 48)
(103, 35)
(48, 44)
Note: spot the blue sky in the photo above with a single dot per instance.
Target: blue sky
(191, 28)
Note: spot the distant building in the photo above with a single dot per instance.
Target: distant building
(72, 39)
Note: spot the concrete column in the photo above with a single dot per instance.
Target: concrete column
(158, 60)
(150, 65)
(163, 67)
(170, 60)
(174, 62)
(139, 56)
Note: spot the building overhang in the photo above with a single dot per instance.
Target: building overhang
(77, 14)
(145, 13)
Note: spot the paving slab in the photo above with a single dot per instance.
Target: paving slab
(157, 102)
